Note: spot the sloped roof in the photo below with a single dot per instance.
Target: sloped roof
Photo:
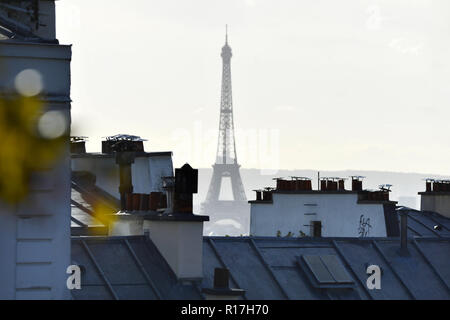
(85, 195)
(267, 268)
(125, 268)
(426, 223)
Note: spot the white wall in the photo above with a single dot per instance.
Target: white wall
(181, 245)
(179, 242)
(160, 166)
(339, 213)
(146, 172)
(436, 202)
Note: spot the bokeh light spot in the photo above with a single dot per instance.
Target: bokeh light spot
(52, 125)
(28, 83)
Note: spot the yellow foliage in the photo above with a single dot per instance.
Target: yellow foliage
(22, 149)
(103, 213)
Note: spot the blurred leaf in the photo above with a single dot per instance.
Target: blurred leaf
(22, 149)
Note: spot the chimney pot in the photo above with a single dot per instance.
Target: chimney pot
(143, 206)
(136, 201)
(185, 186)
(129, 202)
(332, 185)
(323, 185)
(78, 147)
(154, 201)
(356, 185)
(308, 185)
(267, 196)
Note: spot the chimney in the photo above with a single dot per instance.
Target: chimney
(308, 184)
(258, 195)
(178, 233)
(403, 232)
(332, 185)
(428, 185)
(436, 197)
(301, 183)
(124, 147)
(124, 159)
(267, 194)
(156, 200)
(78, 145)
(357, 183)
(323, 184)
(221, 289)
(186, 180)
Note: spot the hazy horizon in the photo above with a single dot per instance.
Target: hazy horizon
(316, 84)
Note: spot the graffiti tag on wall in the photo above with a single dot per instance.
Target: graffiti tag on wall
(364, 226)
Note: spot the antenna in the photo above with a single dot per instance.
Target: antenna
(385, 187)
(226, 34)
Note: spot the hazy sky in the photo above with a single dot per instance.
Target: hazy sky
(317, 84)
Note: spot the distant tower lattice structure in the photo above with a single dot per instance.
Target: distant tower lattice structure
(226, 164)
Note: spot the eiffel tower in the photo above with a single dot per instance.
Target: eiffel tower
(226, 165)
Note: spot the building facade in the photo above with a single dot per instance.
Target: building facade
(299, 211)
(35, 231)
(436, 197)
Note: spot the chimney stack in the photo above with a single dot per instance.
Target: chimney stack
(125, 148)
(78, 145)
(332, 185)
(428, 186)
(357, 183)
(176, 232)
(267, 194)
(185, 186)
(323, 185)
(221, 289)
(125, 159)
(436, 197)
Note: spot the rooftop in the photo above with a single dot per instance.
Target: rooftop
(267, 268)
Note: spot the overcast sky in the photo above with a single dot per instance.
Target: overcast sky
(317, 84)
